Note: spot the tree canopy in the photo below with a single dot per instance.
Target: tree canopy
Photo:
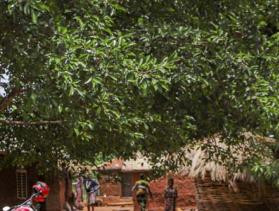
(89, 78)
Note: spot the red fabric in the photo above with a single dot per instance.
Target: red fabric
(43, 189)
(23, 208)
(39, 199)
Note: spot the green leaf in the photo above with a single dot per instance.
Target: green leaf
(34, 16)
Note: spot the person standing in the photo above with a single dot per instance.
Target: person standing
(142, 190)
(79, 192)
(170, 196)
(91, 187)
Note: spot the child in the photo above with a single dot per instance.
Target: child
(170, 196)
(79, 192)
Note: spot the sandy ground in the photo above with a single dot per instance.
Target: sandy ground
(131, 209)
(112, 209)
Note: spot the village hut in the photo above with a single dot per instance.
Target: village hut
(221, 186)
(119, 175)
(16, 185)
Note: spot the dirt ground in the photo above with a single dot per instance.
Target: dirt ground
(131, 209)
(111, 209)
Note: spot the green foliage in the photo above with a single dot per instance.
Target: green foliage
(128, 76)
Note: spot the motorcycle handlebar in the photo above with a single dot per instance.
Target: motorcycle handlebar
(24, 203)
(28, 200)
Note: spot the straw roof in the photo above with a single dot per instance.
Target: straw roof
(138, 164)
(201, 167)
(202, 164)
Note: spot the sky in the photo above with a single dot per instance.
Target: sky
(4, 79)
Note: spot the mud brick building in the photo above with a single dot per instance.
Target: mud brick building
(119, 176)
(16, 186)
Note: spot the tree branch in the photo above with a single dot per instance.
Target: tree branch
(8, 99)
(14, 122)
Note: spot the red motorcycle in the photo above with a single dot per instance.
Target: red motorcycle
(40, 194)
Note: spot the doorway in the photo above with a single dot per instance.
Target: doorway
(127, 184)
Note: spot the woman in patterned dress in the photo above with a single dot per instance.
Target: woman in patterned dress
(170, 196)
(79, 192)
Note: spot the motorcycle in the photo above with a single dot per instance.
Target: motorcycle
(28, 205)
(40, 193)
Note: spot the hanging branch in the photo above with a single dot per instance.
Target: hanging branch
(42, 122)
(7, 101)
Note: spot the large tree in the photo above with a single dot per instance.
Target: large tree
(90, 78)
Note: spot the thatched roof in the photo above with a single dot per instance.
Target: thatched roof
(202, 164)
(201, 167)
(138, 164)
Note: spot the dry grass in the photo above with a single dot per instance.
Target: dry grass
(228, 170)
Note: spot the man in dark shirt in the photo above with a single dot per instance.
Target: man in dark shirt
(91, 187)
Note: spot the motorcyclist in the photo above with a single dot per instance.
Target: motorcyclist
(36, 202)
(40, 200)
